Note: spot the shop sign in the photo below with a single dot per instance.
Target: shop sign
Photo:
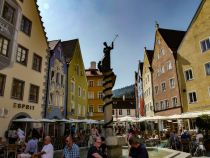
(23, 106)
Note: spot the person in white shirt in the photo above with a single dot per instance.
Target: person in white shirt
(21, 135)
(47, 150)
(199, 136)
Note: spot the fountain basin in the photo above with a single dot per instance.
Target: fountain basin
(154, 152)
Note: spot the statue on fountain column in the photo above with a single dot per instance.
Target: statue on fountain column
(104, 65)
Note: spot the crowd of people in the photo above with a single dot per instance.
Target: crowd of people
(93, 138)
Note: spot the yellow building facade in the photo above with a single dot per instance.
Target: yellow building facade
(147, 83)
(95, 92)
(194, 62)
(23, 84)
(77, 102)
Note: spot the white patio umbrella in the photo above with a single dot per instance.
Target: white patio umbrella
(25, 120)
(44, 120)
(128, 119)
(90, 121)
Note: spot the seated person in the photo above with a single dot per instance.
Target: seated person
(31, 148)
(94, 151)
(137, 150)
(47, 150)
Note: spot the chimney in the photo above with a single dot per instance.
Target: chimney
(92, 65)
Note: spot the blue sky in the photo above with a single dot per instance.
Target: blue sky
(96, 21)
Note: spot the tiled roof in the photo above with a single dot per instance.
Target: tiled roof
(69, 48)
(172, 38)
(53, 44)
(119, 103)
(150, 54)
(93, 72)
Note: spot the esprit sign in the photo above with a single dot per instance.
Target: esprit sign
(23, 106)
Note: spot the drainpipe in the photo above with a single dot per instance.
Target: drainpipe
(67, 85)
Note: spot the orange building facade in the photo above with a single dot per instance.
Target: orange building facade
(95, 92)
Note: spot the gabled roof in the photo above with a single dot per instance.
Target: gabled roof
(149, 54)
(53, 44)
(173, 38)
(69, 48)
(195, 17)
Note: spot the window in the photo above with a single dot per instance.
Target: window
(26, 26)
(8, 13)
(83, 110)
(207, 68)
(157, 106)
(172, 83)
(17, 89)
(100, 95)
(162, 70)
(169, 65)
(62, 80)
(91, 109)
(100, 108)
(162, 52)
(188, 75)
(34, 94)
(100, 82)
(128, 111)
(91, 83)
(22, 55)
(156, 89)
(72, 87)
(79, 91)
(163, 87)
(90, 95)
(192, 97)
(174, 101)
(112, 111)
(166, 103)
(120, 111)
(4, 46)
(205, 45)
(2, 84)
(37, 62)
(162, 106)
(209, 90)
(79, 109)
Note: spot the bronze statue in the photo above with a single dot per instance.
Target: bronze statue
(104, 65)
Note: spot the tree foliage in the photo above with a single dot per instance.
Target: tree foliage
(203, 122)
